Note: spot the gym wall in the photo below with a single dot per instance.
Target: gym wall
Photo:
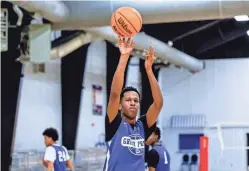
(221, 93)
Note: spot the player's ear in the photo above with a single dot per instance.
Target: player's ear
(120, 107)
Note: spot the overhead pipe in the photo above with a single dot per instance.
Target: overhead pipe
(162, 50)
(54, 11)
(97, 14)
(70, 46)
(66, 48)
(76, 14)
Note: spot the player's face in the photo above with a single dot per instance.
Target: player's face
(152, 139)
(130, 104)
(47, 140)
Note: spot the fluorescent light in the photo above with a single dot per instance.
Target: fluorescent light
(241, 18)
(247, 32)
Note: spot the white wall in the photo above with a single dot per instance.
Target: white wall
(133, 76)
(39, 106)
(221, 93)
(95, 73)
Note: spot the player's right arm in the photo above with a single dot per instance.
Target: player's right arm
(50, 166)
(44, 163)
(125, 47)
(49, 158)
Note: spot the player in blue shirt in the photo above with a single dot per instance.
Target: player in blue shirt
(56, 157)
(126, 135)
(158, 157)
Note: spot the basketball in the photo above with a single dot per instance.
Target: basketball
(126, 22)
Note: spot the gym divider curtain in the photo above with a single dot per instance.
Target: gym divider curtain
(11, 77)
(72, 73)
(146, 94)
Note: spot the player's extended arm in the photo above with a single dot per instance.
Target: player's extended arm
(125, 47)
(157, 104)
(50, 166)
(69, 164)
(152, 169)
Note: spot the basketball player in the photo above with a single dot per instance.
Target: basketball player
(158, 157)
(126, 135)
(56, 157)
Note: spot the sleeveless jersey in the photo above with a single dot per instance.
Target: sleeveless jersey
(126, 148)
(164, 158)
(60, 161)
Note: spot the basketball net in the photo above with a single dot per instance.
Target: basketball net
(223, 145)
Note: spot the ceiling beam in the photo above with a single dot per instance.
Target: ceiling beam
(235, 49)
(225, 38)
(203, 27)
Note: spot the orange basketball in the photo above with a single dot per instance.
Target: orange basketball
(126, 22)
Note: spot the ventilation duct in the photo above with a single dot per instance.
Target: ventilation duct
(96, 14)
(163, 51)
(54, 11)
(72, 45)
(77, 14)
(66, 48)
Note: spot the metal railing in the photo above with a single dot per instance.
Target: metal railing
(91, 159)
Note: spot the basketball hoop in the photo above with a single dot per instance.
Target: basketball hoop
(226, 143)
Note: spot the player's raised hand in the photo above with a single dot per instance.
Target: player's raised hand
(150, 57)
(126, 45)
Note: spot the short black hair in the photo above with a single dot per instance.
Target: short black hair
(157, 131)
(52, 133)
(129, 88)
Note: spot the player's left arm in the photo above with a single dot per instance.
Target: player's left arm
(68, 161)
(69, 164)
(155, 108)
(153, 159)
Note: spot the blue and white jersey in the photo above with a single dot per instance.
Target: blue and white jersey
(159, 158)
(126, 144)
(58, 155)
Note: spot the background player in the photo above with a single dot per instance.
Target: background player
(56, 157)
(158, 157)
(124, 134)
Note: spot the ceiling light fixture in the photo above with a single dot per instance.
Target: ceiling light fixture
(241, 18)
